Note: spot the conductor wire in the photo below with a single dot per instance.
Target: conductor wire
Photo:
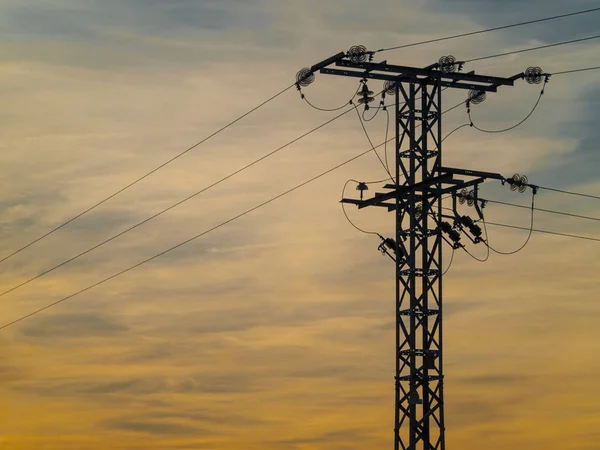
(514, 126)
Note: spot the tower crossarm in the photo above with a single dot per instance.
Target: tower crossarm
(430, 75)
(449, 186)
(470, 173)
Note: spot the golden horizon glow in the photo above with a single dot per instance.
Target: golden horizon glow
(277, 330)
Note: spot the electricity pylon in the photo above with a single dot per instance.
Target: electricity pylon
(415, 196)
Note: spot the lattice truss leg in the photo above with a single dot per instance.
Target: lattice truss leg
(419, 375)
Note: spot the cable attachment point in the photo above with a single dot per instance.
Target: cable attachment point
(365, 95)
(362, 187)
(473, 228)
(520, 183)
(546, 81)
(389, 87)
(467, 197)
(304, 78)
(452, 234)
(357, 54)
(475, 97)
(388, 247)
(387, 244)
(533, 75)
(447, 64)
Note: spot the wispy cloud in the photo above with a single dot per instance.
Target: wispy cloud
(277, 330)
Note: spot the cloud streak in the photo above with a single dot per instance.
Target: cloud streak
(277, 331)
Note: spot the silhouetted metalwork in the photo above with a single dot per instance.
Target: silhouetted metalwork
(357, 54)
(447, 64)
(304, 77)
(416, 198)
(533, 75)
(476, 97)
(389, 87)
(365, 96)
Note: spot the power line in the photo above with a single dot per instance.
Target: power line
(371, 143)
(454, 107)
(91, 249)
(516, 125)
(216, 183)
(503, 27)
(575, 70)
(272, 199)
(545, 231)
(533, 48)
(253, 110)
(486, 241)
(318, 108)
(455, 130)
(220, 130)
(570, 193)
(325, 109)
(377, 109)
(487, 256)
(528, 237)
(544, 210)
(204, 233)
(451, 261)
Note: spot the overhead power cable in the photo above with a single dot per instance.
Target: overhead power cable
(487, 242)
(575, 236)
(216, 227)
(585, 69)
(91, 249)
(377, 109)
(455, 130)
(189, 149)
(513, 126)
(481, 260)
(578, 194)
(216, 183)
(234, 122)
(487, 30)
(453, 107)
(187, 241)
(550, 211)
(318, 108)
(540, 47)
(451, 261)
(372, 146)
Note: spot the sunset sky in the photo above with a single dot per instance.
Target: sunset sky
(276, 331)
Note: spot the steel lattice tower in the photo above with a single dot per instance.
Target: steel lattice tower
(416, 195)
(421, 183)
